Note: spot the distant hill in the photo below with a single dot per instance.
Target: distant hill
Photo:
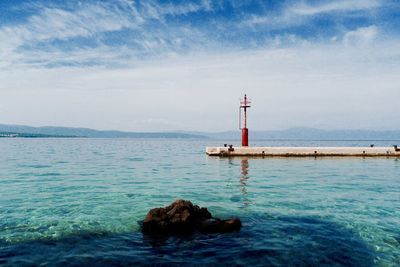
(31, 135)
(85, 132)
(307, 134)
(289, 134)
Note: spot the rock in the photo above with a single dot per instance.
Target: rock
(231, 225)
(183, 217)
(220, 226)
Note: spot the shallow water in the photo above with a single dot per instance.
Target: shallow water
(78, 201)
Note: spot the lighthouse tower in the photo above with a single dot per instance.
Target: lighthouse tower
(244, 104)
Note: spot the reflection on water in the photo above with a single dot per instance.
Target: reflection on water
(243, 174)
(243, 181)
(243, 185)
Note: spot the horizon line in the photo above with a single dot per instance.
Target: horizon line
(201, 131)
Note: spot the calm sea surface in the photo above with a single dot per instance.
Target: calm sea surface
(78, 202)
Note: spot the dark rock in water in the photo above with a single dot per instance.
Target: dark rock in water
(180, 216)
(184, 217)
(220, 226)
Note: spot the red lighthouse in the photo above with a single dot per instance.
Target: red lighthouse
(244, 104)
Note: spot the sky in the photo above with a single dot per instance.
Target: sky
(184, 65)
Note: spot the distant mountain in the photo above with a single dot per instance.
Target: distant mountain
(85, 132)
(31, 135)
(289, 134)
(307, 134)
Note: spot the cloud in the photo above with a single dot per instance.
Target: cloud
(147, 65)
(55, 36)
(124, 32)
(361, 35)
(159, 11)
(52, 24)
(334, 6)
(317, 85)
(300, 13)
(87, 20)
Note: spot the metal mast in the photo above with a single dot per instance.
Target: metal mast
(244, 104)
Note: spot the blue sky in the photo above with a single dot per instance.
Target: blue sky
(169, 65)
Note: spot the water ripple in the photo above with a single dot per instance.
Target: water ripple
(77, 201)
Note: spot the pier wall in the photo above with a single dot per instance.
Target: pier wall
(304, 151)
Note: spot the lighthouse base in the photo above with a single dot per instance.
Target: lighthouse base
(245, 137)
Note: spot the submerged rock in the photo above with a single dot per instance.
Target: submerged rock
(184, 217)
(220, 226)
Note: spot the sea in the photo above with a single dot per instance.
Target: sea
(79, 202)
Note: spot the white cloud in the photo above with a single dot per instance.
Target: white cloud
(155, 10)
(59, 24)
(345, 83)
(333, 6)
(300, 13)
(362, 35)
(30, 42)
(54, 23)
(318, 85)
(187, 8)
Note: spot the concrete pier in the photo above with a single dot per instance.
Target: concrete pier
(303, 151)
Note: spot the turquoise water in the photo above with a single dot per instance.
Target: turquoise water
(78, 201)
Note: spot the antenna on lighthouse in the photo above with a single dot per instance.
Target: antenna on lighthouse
(244, 104)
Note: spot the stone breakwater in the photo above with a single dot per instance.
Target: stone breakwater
(182, 217)
(230, 151)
